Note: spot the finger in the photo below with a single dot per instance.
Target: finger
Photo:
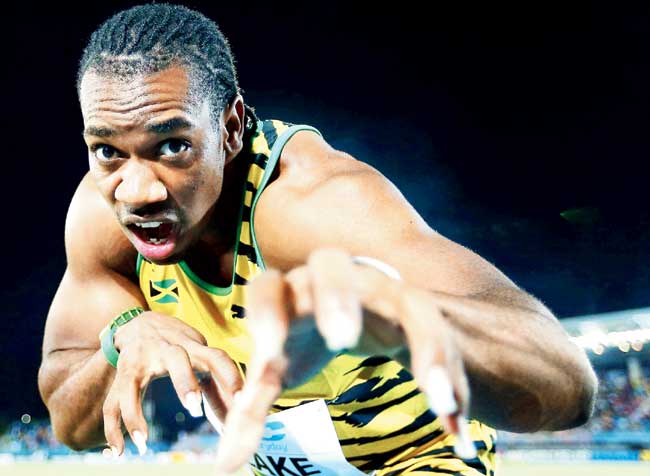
(112, 423)
(301, 294)
(377, 291)
(170, 334)
(428, 340)
(268, 323)
(305, 346)
(214, 404)
(464, 446)
(245, 422)
(221, 367)
(130, 401)
(181, 373)
(336, 304)
(268, 319)
(436, 365)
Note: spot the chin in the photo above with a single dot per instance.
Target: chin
(160, 256)
(167, 261)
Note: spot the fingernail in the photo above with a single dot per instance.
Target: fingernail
(268, 344)
(342, 331)
(440, 393)
(140, 442)
(115, 452)
(193, 404)
(464, 446)
(212, 416)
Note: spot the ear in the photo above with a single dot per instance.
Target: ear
(234, 121)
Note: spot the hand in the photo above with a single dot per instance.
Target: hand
(334, 290)
(154, 345)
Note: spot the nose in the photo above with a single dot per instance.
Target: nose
(140, 185)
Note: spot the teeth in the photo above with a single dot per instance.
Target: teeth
(156, 241)
(151, 224)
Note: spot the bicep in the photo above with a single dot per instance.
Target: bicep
(82, 306)
(358, 209)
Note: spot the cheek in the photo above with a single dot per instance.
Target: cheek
(200, 194)
(198, 187)
(207, 191)
(105, 182)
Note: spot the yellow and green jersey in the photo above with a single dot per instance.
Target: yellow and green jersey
(381, 418)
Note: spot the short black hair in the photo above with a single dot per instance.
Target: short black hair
(149, 38)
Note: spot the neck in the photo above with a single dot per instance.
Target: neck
(211, 256)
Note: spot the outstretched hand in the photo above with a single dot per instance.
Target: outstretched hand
(354, 307)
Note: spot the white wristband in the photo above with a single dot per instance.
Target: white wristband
(387, 269)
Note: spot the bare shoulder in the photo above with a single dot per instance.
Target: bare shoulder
(308, 161)
(93, 237)
(310, 170)
(320, 194)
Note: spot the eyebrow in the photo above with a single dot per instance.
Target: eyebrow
(165, 127)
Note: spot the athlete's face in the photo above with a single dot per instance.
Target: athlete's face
(157, 156)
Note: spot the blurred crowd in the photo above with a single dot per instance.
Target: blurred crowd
(26, 438)
(623, 403)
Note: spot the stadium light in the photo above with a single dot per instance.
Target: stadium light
(596, 339)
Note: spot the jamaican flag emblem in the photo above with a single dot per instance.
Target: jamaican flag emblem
(164, 292)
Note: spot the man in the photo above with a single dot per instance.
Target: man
(208, 197)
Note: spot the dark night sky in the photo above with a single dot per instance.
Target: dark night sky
(491, 122)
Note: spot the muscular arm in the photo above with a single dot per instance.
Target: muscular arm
(74, 376)
(524, 372)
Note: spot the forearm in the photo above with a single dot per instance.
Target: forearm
(73, 384)
(524, 372)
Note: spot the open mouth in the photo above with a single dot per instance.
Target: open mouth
(153, 232)
(155, 240)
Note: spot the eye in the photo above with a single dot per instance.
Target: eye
(103, 152)
(173, 147)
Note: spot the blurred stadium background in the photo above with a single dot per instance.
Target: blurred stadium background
(615, 440)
